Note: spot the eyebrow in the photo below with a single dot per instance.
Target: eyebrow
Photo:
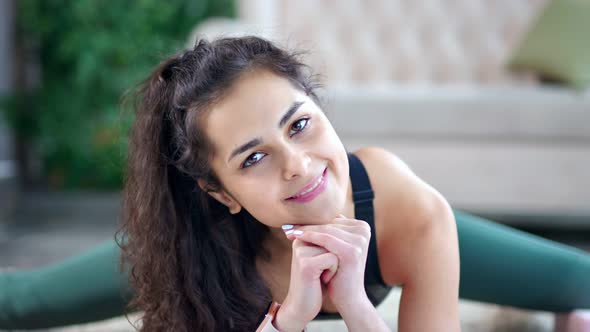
(257, 141)
(290, 113)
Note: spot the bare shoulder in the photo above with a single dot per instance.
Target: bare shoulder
(387, 172)
(396, 184)
(405, 208)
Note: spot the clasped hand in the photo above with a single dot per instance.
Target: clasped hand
(333, 255)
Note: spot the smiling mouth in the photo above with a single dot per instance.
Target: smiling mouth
(311, 190)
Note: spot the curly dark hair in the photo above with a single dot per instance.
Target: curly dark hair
(191, 263)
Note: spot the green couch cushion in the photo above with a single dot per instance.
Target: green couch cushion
(558, 45)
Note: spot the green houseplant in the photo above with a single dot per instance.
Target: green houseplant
(89, 53)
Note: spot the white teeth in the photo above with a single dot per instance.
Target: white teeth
(315, 185)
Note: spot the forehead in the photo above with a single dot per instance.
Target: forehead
(252, 106)
(257, 89)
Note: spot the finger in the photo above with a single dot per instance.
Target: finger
(323, 226)
(320, 263)
(348, 237)
(308, 250)
(344, 250)
(361, 228)
(347, 221)
(327, 275)
(349, 225)
(297, 243)
(354, 235)
(354, 226)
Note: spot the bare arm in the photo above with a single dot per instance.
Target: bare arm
(430, 298)
(417, 243)
(364, 317)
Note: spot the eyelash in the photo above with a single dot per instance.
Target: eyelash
(305, 120)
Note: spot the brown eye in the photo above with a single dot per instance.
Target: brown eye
(298, 126)
(252, 159)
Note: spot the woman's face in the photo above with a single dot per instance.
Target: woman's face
(276, 154)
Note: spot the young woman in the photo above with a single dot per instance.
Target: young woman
(241, 200)
(230, 148)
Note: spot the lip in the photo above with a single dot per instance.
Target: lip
(314, 193)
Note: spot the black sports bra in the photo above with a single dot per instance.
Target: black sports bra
(375, 287)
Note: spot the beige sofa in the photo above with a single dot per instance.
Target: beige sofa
(428, 80)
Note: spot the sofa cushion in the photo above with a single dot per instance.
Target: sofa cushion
(558, 45)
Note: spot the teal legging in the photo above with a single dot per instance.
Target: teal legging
(498, 265)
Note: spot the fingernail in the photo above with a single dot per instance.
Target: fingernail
(286, 227)
(298, 232)
(288, 232)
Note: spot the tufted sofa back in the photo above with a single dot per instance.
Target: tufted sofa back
(406, 41)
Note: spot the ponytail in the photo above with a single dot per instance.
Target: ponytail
(192, 263)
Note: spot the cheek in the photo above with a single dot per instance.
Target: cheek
(327, 135)
(256, 193)
(332, 146)
(261, 209)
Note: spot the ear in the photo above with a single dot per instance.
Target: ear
(222, 197)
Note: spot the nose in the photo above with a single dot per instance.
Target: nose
(296, 163)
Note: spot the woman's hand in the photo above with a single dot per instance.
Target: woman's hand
(304, 298)
(348, 239)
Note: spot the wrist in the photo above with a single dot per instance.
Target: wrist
(356, 306)
(287, 321)
(364, 317)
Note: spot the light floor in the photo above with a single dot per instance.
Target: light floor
(475, 317)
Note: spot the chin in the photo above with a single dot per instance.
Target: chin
(327, 216)
(326, 213)
(314, 215)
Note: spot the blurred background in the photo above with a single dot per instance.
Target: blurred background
(488, 101)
